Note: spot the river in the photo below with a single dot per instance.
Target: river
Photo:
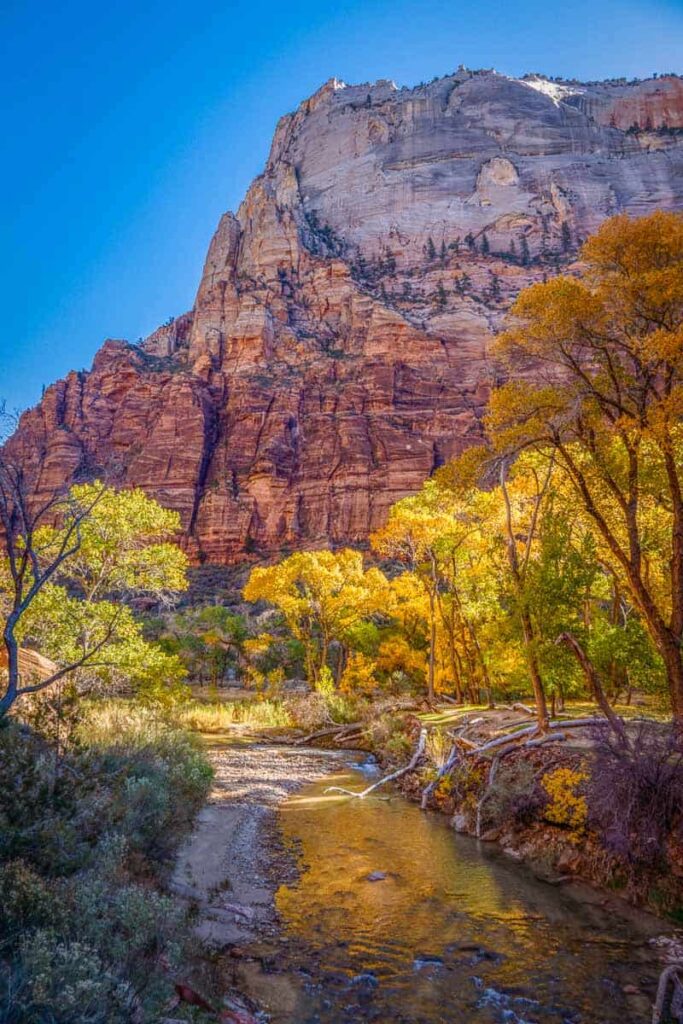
(394, 917)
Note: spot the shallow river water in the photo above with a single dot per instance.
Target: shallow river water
(455, 931)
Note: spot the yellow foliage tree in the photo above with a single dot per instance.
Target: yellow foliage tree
(322, 595)
(605, 400)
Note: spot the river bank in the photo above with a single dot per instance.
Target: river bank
(320, 908)
(575, 804)
(226, 869)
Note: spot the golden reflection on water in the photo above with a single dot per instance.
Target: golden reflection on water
(501, 936)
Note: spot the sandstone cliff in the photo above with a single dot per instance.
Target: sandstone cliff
(337, 349)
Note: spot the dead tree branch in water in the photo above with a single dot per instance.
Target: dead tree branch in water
(445, 769)
(412, 764)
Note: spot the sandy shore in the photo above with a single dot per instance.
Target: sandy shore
(232, 863)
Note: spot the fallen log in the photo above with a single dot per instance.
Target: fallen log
(341, 739)
(330, 731)
(557, 737)
(669, 989)
(490, 779)
(518, 706)
(412, 764)
(577, 723)
(500, 741)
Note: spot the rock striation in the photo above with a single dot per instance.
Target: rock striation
(337, 349)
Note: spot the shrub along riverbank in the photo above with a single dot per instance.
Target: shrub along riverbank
(87, 836)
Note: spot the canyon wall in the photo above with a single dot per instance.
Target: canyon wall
(337, 351)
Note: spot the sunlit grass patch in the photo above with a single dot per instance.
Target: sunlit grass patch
(450, 715)
(201, 717)
(646, 708)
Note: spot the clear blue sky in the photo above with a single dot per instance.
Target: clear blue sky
(129, 127)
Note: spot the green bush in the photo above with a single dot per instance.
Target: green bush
(85, 837)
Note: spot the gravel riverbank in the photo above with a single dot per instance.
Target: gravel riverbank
(232, 863)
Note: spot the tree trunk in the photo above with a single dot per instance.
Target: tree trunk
(525, 617)
(455, 671)
(12, 648)
(671, 655)
(486, 679)
(595, 685)
(534, 671)
(432, 647)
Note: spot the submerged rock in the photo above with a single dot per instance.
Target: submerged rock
(366, 980)
(427, 960)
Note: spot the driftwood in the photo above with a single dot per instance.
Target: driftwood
(487, 793)
(530, 731)
(557, 737)
(670, 984)
(500, 741)
(493, 769)
(445, 768)
(333, 730)
(412, 764)
(518, 706)
(578, 723)
(344, 738)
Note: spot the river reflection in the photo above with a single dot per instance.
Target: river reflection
(453, 931)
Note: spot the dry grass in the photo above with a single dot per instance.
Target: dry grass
(224, 715)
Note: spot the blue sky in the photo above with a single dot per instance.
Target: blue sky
(130, 127)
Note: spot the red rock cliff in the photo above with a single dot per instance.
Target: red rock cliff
(337, 350)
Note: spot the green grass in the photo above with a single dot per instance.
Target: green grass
(449, 716)
(650, 709)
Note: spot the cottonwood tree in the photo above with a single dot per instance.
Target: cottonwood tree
(67, 564)
(519, 560)
(31, 563)
(322, 595)
(604, 399)
(437, 535)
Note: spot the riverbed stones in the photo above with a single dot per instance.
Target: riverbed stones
(226, 867)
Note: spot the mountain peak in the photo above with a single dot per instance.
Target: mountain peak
(337, 351)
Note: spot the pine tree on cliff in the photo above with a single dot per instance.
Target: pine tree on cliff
(566, 237)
